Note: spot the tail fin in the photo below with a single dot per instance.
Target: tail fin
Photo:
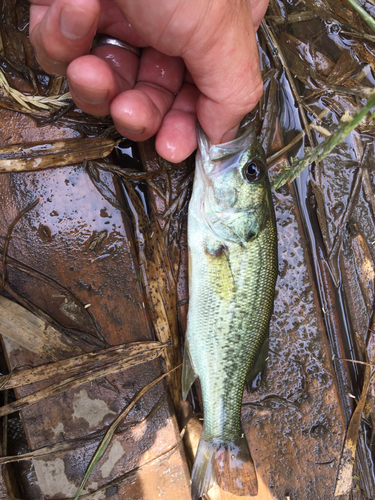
(227, 464)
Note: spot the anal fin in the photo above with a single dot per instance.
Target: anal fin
(188, 372)
(255, 374)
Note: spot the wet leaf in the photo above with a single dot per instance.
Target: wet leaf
(32, 333)
(82, 363)
(344, 68)
(158, 281)
(298, 52)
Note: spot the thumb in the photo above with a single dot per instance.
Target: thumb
(221, 120)
(226, 69)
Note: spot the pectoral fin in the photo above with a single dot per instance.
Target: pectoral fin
(188, 372)
(219, 271)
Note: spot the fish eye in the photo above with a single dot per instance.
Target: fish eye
(253, 171)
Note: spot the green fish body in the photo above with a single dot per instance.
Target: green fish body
(232, 274)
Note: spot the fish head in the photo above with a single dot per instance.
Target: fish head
(235, 194)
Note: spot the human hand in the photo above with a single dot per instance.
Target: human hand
(199, 60)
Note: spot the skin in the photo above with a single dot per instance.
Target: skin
(199, 60)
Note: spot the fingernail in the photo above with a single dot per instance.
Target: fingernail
(230, 135)
(129, 131)
(89, 96)
(76, 23)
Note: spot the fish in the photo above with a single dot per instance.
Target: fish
(232, 243)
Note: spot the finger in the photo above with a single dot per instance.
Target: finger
(138, 113)
(177, 137)
(95, 80)
(123, 62)
(221, 120)
(62, 32)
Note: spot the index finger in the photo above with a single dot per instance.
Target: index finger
(62, 30)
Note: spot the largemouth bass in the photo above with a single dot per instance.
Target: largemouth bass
(232, 275)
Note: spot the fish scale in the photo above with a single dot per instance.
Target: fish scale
(227, 346)
(232, 275)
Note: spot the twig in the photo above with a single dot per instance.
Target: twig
(294, 141)
(345, 473)
(11, 226)
(334, 358)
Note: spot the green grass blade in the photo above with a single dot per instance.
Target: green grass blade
(297, 165)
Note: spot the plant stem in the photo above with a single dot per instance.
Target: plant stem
(365, 15)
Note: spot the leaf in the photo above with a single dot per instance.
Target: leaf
(33, 333)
